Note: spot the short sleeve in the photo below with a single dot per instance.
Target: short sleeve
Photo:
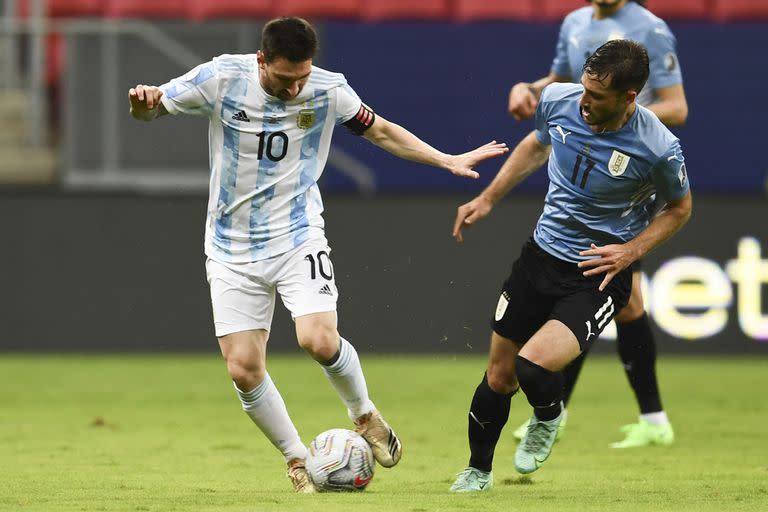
(662, 52)
(560, 65)
(348, 103)
(542, 117)
(193, 93)
(670, 175)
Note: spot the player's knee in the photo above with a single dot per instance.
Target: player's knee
(245, 374)
(633, 310)
(321, 342)
(501, 377)
(541, 386)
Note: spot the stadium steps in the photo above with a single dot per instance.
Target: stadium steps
(19, 163)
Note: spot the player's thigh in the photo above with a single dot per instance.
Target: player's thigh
(306, 280)
(636, 306)
(552, 347)
(240, 302)
(522, 308)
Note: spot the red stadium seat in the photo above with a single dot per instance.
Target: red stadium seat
(471, 10)
(680, 9)
(557, 9)
(727, 10)
(64, 8)
(377, 10)
(318, 8)
(146, 8)
(55, 63)
(206, 9)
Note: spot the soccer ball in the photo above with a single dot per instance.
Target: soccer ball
(340, 460)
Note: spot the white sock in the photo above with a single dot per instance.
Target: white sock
(655, 418)
(267, 409)
(346, 376)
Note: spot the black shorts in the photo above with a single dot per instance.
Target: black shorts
(542, 287)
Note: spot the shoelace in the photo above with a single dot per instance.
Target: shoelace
(468, 475)
(538, 432)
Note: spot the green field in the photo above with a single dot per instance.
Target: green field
(166, 433)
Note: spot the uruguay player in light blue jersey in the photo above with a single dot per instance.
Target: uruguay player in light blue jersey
(608, 157)
(271, 117)
(582, 31)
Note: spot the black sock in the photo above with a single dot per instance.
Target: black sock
(637, 350)
(543, 388)
(487, 416)
(571, 375)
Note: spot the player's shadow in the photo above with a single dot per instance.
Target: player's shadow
(521, 480)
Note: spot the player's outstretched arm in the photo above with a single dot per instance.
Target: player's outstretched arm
(612, 259)
(528, 156)
(524, 96)
(670, 107)
(145, 102)
(400, 142)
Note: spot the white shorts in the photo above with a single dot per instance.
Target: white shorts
(243, 295)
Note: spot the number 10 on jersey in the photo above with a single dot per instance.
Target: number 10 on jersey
(267, 145)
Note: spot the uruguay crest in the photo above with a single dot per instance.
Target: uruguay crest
(618, 163)
(306, 118)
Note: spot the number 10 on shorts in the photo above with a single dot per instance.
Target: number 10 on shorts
(320, 264)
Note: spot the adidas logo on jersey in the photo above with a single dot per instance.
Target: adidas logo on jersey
(241, 116)
(325, 290)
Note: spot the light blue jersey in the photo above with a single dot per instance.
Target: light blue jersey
(602, 184)
(581, 35)
(266, 154)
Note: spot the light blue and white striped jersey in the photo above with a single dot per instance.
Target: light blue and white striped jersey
(602, 184)
(581, 35)
(266, 154)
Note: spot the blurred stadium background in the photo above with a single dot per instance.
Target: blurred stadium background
(103, 216)
(102, 222)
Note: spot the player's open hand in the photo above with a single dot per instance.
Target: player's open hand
(608, 259)
(469, 213)
(144, 100)
(464, 164)
(522, 102)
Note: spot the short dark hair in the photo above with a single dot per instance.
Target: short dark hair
(625, 61)
(289, 37)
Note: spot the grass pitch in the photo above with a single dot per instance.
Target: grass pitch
(166, 433)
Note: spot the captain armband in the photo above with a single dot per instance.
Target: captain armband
(361, 121)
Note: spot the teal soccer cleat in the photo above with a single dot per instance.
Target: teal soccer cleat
(520, 432)
(536, 444)
(473, 480)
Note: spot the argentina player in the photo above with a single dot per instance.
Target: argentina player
(272, 115)
(607, 157)
(582, 31)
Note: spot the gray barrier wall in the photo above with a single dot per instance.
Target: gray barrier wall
(119, 273)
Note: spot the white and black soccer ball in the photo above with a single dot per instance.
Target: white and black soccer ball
(340, 460)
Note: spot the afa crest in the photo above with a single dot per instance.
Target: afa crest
(306, 118)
